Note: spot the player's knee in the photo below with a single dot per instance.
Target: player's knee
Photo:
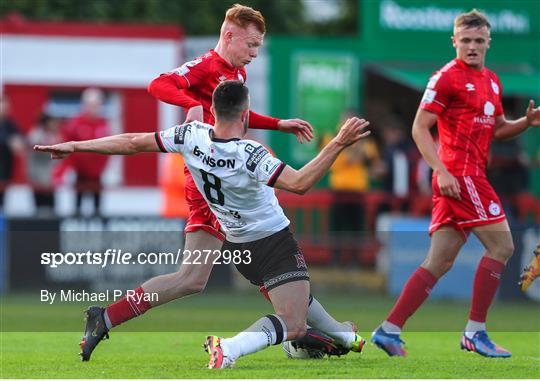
(438, 267)
(504, 251)
(445, 265)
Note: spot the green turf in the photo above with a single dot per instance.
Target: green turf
(142, 348)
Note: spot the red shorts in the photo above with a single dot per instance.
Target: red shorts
(200, 215)
(479, 205)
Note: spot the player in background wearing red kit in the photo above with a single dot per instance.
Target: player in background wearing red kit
(464, 99)
(191, 86)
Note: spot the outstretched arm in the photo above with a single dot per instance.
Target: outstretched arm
(300, 181)
(302, 129)
(123, 144)
(507, 129)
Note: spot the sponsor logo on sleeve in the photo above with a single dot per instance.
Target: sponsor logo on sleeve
(180, 133)
(429, 96)
(255, 155)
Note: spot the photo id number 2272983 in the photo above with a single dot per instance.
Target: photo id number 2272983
(216, 257)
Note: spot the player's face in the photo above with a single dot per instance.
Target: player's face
(244, 45)
(471, 45)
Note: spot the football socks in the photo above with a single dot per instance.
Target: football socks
(268, 330)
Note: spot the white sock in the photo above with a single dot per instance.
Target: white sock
(266, 331)
(108, 323)
(472, 327)
(317, 317)
(390, 328)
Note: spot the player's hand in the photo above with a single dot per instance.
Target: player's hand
(57, 151)
(302, 129)
(448, 184)
(533, 114)
(351, 131)
(195, 113)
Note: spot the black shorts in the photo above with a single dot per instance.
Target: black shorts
(275, 260)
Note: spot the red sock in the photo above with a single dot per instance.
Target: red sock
(486, 282)
(131, 305)
(414, 293)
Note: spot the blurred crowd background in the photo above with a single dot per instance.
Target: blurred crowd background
(77, 70)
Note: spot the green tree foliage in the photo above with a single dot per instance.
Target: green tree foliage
(197, 17)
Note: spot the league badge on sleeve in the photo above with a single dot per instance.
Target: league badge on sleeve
(429, 96)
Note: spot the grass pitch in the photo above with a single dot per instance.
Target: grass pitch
(41, 341)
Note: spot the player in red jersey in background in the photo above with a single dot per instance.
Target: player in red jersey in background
(464, 98)
(191, 86)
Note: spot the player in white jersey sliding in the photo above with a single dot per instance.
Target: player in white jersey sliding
(235, 177)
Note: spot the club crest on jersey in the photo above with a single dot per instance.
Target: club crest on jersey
(470, 87)
(300, 261)
(489, 108)
(495, 87)
(180, 133)
(494, 208)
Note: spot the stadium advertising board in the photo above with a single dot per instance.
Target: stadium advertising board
(405, 244)
(438, 17)
(420, 30)
(323, 85)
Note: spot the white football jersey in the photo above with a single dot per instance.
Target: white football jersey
(234, 176)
